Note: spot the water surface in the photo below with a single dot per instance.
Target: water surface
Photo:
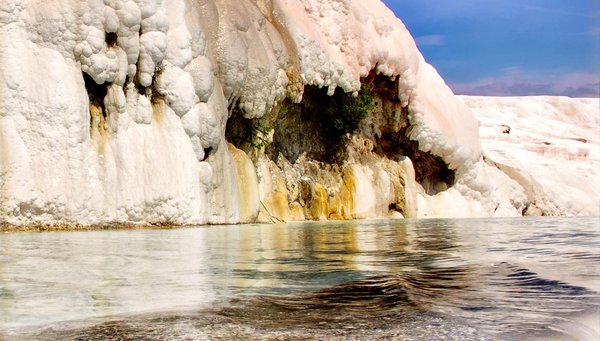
(472, 279)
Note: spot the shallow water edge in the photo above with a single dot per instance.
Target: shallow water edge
(467, 279)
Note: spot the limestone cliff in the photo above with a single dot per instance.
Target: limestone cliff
(209, 111)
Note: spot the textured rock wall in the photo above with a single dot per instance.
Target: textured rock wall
(193, 112)
(549, 145)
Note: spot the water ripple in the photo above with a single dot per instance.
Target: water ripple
(402, 280)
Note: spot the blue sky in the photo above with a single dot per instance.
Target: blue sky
(509, 47)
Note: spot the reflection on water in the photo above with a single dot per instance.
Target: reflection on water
(444, 279)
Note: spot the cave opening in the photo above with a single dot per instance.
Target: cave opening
(320, 127)
(392, 141)
(111, 39)
(240, 131)
(320, 124)
(431, 171)
(96, 93)
(207, 153)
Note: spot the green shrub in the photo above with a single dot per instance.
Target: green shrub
(345, 111)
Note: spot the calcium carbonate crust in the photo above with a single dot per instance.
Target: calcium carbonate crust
(549, 145)
(115, 111)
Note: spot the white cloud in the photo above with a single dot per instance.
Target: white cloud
(431, 40)
(517, 82)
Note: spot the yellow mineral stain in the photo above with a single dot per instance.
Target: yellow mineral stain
(158, 110)
(319, 207)
(97, 127)
(347, 194)
(335, 207)
(297, 212)
(247, 184)
(276, 203)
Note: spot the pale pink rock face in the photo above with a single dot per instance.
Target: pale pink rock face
(554, 140)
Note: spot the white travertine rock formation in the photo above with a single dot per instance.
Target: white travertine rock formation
(117, 111)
